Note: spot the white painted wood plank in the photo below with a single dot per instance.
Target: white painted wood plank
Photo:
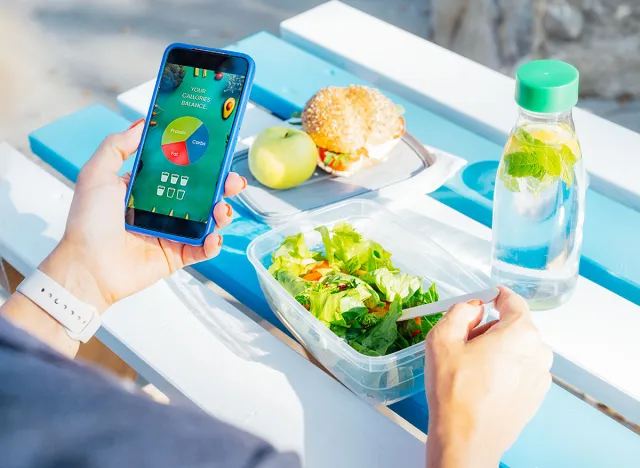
(465, 92)
(206, 349)
(134, 103)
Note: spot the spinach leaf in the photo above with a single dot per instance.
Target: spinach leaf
(420, 298)
(382, 335)
(364, 350)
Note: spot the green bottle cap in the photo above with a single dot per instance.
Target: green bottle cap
(547, 86)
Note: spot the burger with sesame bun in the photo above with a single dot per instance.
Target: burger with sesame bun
(353, 127)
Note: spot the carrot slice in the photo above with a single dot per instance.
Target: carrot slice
(312, 276)
(381, 311)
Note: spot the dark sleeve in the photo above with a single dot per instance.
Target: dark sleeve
(56, 413)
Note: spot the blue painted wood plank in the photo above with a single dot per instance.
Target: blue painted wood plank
(564, 422)
(287, 76)
(67, 150)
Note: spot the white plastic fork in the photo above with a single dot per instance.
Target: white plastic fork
(485, 296)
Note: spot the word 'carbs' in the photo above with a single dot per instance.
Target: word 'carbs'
(196, 94)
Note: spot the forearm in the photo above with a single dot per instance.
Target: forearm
(26, 315)
(66, 268)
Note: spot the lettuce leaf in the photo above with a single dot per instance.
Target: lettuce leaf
(292, 256)
(392, 284)
(346, 250)
(342, 280)
(330, 306)
(291, 282)
(294, 247)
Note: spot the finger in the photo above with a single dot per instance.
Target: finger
(234, 185)
(458, 322)
(126, 178)
(476, 322)
(115, 149)
(223, 214)
(510, 305)
(199, 253)
(546, 357)
(481, 330)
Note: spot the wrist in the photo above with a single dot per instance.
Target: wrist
(455, 444)
(70, 268)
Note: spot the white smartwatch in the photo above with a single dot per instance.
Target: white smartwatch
(80, 320)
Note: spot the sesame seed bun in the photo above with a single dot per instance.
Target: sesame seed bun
(351, 119)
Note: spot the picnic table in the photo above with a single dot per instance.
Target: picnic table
(198, 348)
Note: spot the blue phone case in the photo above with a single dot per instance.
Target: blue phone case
(228, 156)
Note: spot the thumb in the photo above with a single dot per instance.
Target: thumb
(458, 322)
(114, 150)
(510, 305)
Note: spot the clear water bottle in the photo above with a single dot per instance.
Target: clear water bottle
(538, 211)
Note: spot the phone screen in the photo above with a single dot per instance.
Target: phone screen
(182, 155)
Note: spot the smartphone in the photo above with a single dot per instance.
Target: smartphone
(188, 142)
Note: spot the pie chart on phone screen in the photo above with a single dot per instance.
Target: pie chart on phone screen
(185, 141)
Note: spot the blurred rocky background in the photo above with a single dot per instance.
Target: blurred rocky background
(600, 37)
(58, 56)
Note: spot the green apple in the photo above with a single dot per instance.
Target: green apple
(282, 157)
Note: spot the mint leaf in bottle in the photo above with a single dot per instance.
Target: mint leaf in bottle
(524, 164)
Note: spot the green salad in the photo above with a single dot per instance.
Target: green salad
(354, 289)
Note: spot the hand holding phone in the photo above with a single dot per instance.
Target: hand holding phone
(188, 142)
(97, 259)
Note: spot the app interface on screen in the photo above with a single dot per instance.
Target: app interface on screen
(186, 142)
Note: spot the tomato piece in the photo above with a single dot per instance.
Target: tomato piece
(418, 320)
(415, 333)
(322, 153)
(338, 166)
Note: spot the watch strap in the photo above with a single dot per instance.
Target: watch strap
(80, 320)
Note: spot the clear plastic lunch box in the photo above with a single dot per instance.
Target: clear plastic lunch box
(377, 380)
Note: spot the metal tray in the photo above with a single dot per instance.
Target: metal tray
(406, 162)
